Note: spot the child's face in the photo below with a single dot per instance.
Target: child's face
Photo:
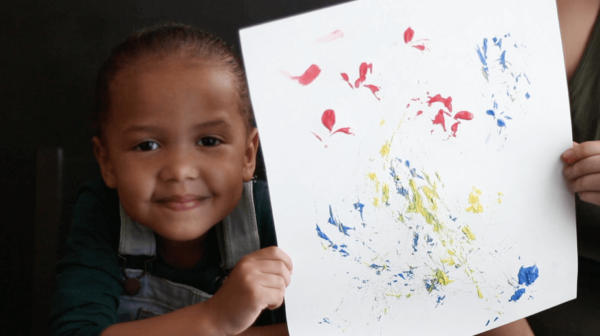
(177, 148)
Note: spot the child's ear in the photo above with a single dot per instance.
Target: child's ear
(106, 167)
(250, 155)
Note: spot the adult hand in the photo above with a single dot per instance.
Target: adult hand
(582, 170)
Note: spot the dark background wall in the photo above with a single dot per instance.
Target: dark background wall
(50, 53)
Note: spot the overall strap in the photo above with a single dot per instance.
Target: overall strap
(135, 238)
(238, 232)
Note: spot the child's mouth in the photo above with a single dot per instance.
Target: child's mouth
(182, 206)
(181, 203)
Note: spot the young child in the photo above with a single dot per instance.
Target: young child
(177, 212)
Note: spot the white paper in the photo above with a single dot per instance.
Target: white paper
(449, 217)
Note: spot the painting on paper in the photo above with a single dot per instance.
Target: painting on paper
(411, 175)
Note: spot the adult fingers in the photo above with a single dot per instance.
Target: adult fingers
(590, 165)
(589, 182)
(581, 151)
(590, 197)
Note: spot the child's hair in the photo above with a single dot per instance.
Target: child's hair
(162, 40)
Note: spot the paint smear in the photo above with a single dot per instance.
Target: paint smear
(336, 222)
(517, 295)
(362, 70)
(439, 99)
(346, 130)
(347, 79)
(454, 128)
(415, 241)
(475, 205)
(439, 120)
(318, 137)
(419, 46)
(374, 89)
(464, 115)
(309, 75)
(328, 119)
(408, 35)
(331, 37)
(528, 275)
(442, 278)
(359, 206)
(468, 233)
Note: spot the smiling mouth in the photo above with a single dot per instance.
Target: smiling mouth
(182, 203)
(182, 206)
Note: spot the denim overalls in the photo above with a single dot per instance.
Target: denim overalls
(237, 235)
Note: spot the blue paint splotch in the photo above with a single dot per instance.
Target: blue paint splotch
(358, 206)
(502, 60)
(323, 235)
(336, 222)
(528, 275)
(500, 123)
(517, 295)
(527, 95)
(415, 241)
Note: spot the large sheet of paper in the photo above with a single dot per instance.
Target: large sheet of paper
(412, 151)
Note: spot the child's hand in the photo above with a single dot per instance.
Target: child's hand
(257, 282)
(582, 170)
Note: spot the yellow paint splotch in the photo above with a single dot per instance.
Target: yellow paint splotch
(373, 177)
(442, 278)
(467, 231)
(382, 122)
(475, 205)
(376, 202)
(479, 292)
(500, 198)
(416, 206)
(385, 197)
(385, 150)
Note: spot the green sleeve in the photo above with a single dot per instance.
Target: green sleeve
(88, 281)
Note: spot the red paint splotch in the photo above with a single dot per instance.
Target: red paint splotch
(454, 128)
(419, 46)
(346, 130)
(347, 79)
(439, 119)
(439, 99)
(408, 35)
(318, 137)
(464, 115)
(309, 75)
(362, 71)
(374, 89)
(331, 37)
(419, 113)
(328, 119)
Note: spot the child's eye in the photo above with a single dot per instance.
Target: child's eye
(209, 141)
(147, 146)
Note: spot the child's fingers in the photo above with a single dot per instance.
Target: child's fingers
(587, 166)
(276, 268)
(581, 151)
(274, 253)
(590, 197)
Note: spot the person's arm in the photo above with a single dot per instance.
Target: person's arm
(257, 282)
(517, 328)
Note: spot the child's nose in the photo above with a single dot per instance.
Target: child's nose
(180, 165)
